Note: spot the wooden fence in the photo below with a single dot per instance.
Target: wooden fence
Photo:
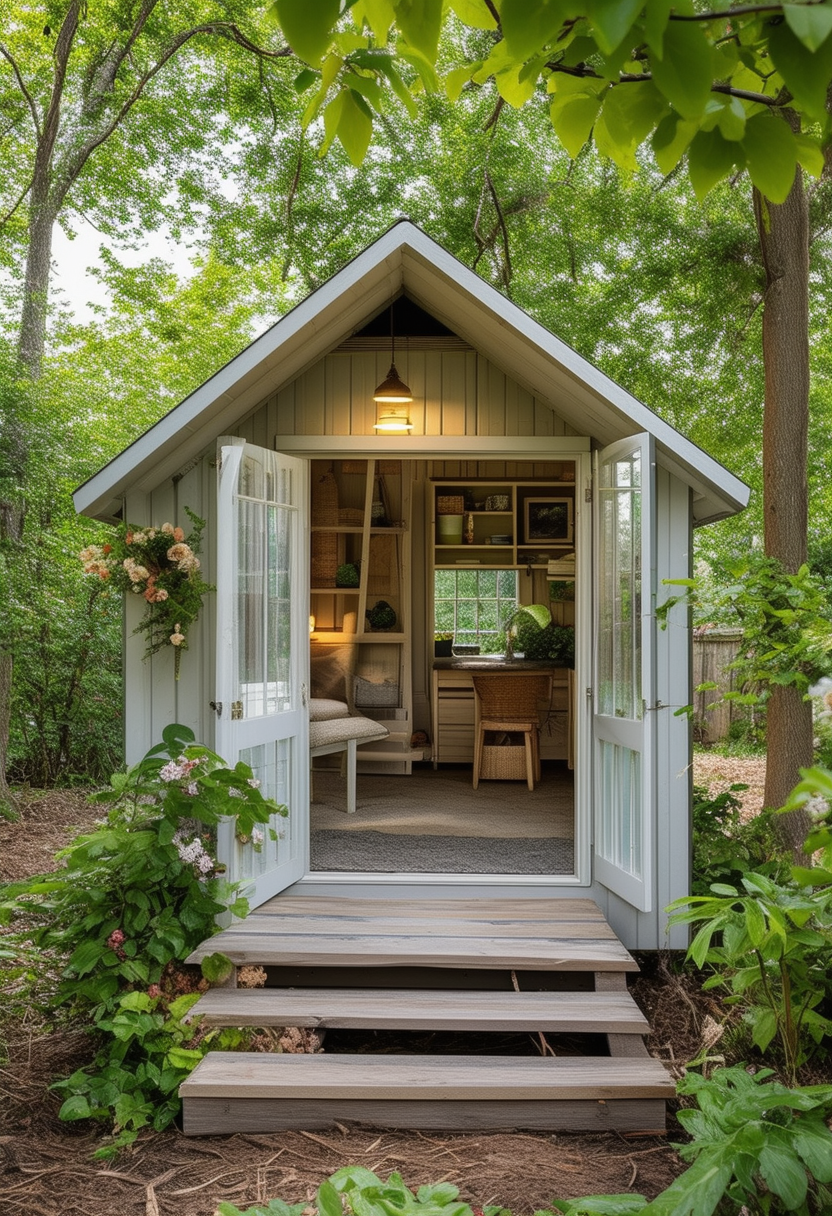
(713, 651)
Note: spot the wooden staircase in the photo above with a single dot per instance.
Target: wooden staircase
(464, 965)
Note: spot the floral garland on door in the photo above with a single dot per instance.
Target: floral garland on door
(160, 564)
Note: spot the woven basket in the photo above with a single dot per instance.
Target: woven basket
(503, 763)
(352, 517)
(325, 501)
(324, 559)
(450, 504)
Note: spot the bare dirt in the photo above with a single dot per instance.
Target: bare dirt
(47, 1167)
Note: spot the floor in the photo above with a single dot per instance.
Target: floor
(435, 822)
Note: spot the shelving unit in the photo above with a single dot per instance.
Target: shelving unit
(360, 513)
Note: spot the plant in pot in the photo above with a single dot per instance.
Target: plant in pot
(382, 616)
(550, 643)
(443, 644)
(526, 621)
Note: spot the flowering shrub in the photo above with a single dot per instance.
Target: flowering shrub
(136, 896)
(160, 564)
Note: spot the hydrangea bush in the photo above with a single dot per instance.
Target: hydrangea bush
(134, 898)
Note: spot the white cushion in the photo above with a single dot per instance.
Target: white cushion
(321, 709)
(339, 730)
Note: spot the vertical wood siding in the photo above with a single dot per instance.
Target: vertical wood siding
(455, 393)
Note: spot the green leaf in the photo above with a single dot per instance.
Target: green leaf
(764, 1027)
(355, 127)
(379, 15)
(216, 968)
(420, 22)
(683, 74)
(573, 122)
(308, 27)
(771, 155)
(755, 922)
(784, 1174)
(656, 17)
(305, 80)
(456, 80)
(528, 25)
(329, 1201)
(365, 87)
(612, 20)
(813, 1141)
(76, 1107)
(670, 142)
(710, 158)
(85, 956)
(806, 75)
(811, 23)
(474, 13)
(631, 112)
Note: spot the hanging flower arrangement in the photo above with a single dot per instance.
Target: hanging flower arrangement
(162, 566)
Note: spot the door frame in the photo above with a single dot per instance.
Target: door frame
(520, 448)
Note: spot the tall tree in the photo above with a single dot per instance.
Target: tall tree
(729, 90)
(94, 99)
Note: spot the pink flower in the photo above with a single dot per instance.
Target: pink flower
(177, 638)
(167, 528)
(115, 939)
(154, 992)
(178, 534)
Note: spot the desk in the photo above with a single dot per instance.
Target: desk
(452, 708)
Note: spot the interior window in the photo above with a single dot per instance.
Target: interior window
(473, 605)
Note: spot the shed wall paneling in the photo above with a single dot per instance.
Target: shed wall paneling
(138, 683)
(190, 699)
(162, 508)
(456, 392)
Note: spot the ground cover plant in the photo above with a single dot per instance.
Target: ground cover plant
(135, 896)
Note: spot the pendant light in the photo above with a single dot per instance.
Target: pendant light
(393, 393)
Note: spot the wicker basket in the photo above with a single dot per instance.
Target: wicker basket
(352, 517)
(450, 504)
(324, 558)
(325, 501)
(505, 762)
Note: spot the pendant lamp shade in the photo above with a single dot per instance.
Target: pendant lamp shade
(392, 393)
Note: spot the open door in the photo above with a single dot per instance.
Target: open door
(623, 724)
(262, 655)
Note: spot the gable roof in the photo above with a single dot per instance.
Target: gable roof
(406, 259)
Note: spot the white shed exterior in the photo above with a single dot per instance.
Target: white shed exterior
(501, 396)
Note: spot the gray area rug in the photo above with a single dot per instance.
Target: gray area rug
(385, 853)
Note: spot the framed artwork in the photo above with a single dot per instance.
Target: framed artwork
(548, 519)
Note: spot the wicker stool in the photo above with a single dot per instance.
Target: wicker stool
(508, 701)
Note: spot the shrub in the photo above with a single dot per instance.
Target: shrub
(135, 897)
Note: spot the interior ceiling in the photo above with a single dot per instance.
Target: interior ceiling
(409, 321)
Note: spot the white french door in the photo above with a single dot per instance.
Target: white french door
(624, 676)
(262, 655)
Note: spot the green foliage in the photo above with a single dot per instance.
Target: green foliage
(787, 633)
(134, 898)
(769, 944)
(381, 616)
(724, 847)
(621, 73)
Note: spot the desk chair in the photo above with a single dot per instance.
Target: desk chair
(508, 701)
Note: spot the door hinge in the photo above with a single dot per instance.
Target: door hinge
(236, 711)
(217, 707)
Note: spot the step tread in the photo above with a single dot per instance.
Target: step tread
(367, 950)
(258, 1076)
(388, 1009)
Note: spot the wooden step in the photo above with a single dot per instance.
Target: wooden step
(399, 1009)
(525, 935)
(251, 1092)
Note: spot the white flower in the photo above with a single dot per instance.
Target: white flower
(205, 864)
(172, 771)
(254, 783)
(257, 836)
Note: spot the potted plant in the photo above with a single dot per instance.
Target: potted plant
(443, 645)
(528, 618)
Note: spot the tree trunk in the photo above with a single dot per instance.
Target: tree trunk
(7, 800)
(783, 230)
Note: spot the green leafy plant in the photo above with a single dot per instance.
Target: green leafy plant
(725, 846)
(162, 566)
(787, 634)
(769, 944)
(347, 575)
(381, 616)
(134, 898)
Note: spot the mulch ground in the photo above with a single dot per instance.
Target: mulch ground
(47, 1167)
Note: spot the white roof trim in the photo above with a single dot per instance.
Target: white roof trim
(405, 258)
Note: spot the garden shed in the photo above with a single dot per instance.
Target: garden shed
(371, 559)
(281, 453)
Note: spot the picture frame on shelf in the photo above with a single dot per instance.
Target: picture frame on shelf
(548, 519)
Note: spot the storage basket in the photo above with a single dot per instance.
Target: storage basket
(351, 517)
(450, 504)
(506, 762)
(369, 695)
(324, 558)
(325, 501)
